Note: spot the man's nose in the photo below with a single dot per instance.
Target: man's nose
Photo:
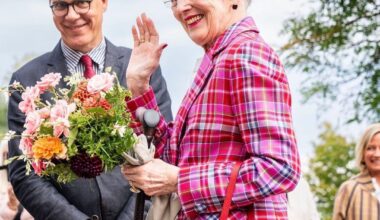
(71, 13)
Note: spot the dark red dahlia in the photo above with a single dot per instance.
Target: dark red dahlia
(85, 166)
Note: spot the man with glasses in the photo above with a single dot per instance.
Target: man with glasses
(82, 48)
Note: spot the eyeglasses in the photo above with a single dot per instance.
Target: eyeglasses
(61, 8)
(170, 3)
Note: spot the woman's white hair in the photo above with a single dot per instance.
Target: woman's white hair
(247, 3)
(367, 136)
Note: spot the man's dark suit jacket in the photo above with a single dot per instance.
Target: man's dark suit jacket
(108, 196)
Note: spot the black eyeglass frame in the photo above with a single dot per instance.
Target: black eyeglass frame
(67, 5)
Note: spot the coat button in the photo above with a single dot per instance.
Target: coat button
(94, 217)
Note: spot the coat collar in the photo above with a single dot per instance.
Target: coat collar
(204, 73)
(244, 25)
(365, 180)
(113, 58)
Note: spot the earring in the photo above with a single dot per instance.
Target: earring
(234, 6)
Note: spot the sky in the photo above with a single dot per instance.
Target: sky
(26, 27)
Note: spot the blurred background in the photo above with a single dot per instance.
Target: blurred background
(331, 50)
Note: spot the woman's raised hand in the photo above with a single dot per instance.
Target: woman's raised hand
(145, 56)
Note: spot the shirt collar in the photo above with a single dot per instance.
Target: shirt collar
(72, 56)
(246, 24)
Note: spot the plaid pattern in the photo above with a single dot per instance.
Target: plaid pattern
(355, 200)
(238, 108)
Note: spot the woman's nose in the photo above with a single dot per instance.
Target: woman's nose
(182, 5)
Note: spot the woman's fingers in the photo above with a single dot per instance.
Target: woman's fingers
(135, 36)
(154, 36)
(144, 20)
(141, 30)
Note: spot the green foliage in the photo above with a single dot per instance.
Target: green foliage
(61, 172)
(331, 165)
(3, 114)
(93, 130)
(337, 46)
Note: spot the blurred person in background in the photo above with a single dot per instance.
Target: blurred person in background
(10, 208)
(301, 202)
(358, 198)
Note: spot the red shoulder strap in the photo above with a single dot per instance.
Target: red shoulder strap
(230, 191)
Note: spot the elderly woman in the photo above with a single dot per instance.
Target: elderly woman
(238, 109)
(359, 197)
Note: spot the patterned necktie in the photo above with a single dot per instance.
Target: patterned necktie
(88, 69)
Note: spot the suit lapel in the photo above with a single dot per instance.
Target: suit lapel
(114, 60)
(200, 81)
(57, 64)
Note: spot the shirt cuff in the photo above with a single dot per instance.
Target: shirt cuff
(147, 100)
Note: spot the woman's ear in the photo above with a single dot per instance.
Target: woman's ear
(105, 5)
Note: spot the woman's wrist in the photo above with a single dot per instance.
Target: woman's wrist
(137, 86)
(173, 176)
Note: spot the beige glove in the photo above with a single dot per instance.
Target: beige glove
(140, 154)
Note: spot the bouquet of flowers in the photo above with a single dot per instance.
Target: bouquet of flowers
(80, 131)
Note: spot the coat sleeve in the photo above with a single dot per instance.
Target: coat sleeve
(36, 194)
(160, 90)
(163, 130)
(341, 202)
(261, 103)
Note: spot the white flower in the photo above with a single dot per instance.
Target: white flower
(119, 129)
(74, 79)
(16, 85)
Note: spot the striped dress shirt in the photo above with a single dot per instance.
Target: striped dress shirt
(72, 57)
(355, 200)
(237, 109)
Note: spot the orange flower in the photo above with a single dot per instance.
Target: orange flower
(47, 147)
(82, 94)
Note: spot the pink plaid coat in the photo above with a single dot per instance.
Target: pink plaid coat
(237, 109)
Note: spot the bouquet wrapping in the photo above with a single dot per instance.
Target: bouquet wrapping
(80, 131)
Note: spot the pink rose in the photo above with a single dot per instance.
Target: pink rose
(48, 81)
(28, 97)
(61, 110)
(31, 93)
(44, 112)
(27, 106)
(32, 122)
(102, 82)
(38, 167)
(60, 127)
(25, 146)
